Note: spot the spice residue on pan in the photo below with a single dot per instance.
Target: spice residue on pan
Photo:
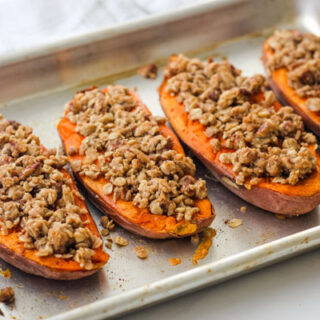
(195, 239)
(63, 297)
(265, 236)
(174, 261)
(204, 246)
(5, 273)
(279, 216)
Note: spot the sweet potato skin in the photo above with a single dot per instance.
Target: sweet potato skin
(266, 199)
(199, 224)
(286, 200)
(135, 220)
(278, 81)
(29, 266)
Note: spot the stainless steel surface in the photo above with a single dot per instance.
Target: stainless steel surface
(34, 90)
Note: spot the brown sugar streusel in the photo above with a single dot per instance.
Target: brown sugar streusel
(123, 144)
(259, 140)
(300, 54)
(37, 197)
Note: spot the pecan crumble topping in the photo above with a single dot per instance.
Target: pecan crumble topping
(300, 54)
(124, 145)
(37, 197)
(254, 138)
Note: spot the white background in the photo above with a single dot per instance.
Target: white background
(290, 290)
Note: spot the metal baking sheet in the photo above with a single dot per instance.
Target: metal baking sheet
(34, 88)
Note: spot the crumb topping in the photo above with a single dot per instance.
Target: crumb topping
(254, 138)
(124, 145)
(300, 54)
(37, 198)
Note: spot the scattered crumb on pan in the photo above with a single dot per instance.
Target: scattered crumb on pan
(120, 241)
(7, 295)
(149, 71)
(141, 252)
(108, 242)
(235, 223)
(105, 232)
(204, 246)
(107, 226)
(243, 209)
(107, 223)
(174, 261)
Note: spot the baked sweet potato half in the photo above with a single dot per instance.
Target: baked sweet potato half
(288, 196)
(46, 228)
(133, 165)
(293, 74)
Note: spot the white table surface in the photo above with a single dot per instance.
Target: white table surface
(289, 290)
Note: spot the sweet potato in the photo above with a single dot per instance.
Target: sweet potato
(125, 213)
(284, 199)
(278, 81)
(13, 251)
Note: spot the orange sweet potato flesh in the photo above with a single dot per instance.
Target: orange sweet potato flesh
(12, 251)
(278, 81)
(283, 199)
(125, 213)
